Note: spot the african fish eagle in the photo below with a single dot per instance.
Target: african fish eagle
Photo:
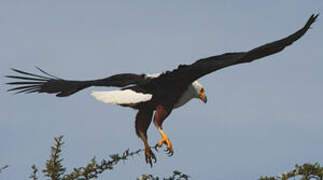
(156, 94)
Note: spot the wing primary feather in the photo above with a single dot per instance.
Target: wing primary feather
(30, 74)
(28, 90)
(190, 73)
(22, 83)
(32, 90)
(48, 73)
(26, 78)
(21, 87)
(54, 85)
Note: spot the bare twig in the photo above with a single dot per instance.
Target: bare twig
(3, 168)
(93, 169)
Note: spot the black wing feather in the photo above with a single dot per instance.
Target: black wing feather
(190, 73)
(26, 78)
(53, 85)
(22, 87)
(30, 74)
(47, 73)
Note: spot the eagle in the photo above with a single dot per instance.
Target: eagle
(155, 96)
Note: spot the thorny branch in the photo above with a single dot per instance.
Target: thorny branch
(93, 169)
(56, 171)
(54, 168)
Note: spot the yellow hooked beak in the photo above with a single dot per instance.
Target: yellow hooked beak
(203, 96)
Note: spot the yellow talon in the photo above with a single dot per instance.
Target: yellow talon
(165, 140)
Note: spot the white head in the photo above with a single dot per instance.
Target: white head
(194, 90)
(199, 91)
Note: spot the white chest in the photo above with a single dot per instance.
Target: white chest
(188, 95)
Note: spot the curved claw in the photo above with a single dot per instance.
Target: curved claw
(156, 147)
(169, 151)
(150, 157)
(169, 148)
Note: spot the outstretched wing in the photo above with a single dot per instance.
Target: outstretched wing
(190, 73)
(47, 83)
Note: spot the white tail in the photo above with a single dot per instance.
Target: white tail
(121, 96)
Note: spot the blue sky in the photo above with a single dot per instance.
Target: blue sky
(261, 118)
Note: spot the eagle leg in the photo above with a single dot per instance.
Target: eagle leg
(143, 120)
(149, 156)
(162, 112)
(165, 140)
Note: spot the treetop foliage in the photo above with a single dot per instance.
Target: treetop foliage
(55, 170)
